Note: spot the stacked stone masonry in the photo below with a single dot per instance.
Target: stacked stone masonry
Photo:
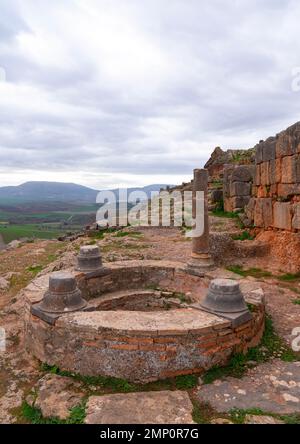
(275, 201)
(237, 186)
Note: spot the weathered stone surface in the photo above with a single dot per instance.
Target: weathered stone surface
(265, 173)
(240, 189)
(288, 141)
(296, 217)
(249, 208)
(243, 173)
(289, 169)
(272, 387)
(275, 171)
(257, 175)
(238, 202)
(165, 407)
(259, 153)
(263, 213)
(262, 419)
(288, 190)
(56, 395)
(283, 215)
(268, 151)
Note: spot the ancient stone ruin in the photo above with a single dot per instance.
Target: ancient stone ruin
(123, 319)
(276, 192)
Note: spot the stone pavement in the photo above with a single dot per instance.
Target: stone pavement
(273, 387)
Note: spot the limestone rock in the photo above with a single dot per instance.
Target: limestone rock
(165, 407)
(283, 215)
(56, 395)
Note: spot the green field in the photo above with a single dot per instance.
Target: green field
(43, 220)
(12, 232)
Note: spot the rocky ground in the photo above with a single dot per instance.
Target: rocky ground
(262, 388)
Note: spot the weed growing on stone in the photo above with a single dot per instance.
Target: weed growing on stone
(296, 301)
(186, 382)
(228, 214)
(238, 416)
(289, 277)
(35, 269)
(34, 415)
(245, 235)
(272, 345)
(254, 272)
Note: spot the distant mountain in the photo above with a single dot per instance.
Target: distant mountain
(58, 192)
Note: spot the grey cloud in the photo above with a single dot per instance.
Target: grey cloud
(192, 75)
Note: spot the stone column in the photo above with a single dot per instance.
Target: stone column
(201, 259)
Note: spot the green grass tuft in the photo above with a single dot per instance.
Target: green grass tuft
(245, 235)
(186, 382)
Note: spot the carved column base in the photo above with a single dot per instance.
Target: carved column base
(200, 264)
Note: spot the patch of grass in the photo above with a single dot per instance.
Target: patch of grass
(272, 345)
(122, 234)
(296, 301)
(238, 415)
(221, 213)
(34, 415)
(186, 382)
(289, 277)
(245, 235)
(202, 413)
(290, 419)
(254, 272)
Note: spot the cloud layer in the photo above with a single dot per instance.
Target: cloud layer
(111, 93)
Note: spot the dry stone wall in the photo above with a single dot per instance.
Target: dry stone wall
(275, 201)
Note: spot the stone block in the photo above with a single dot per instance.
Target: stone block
(285, 145)
(265, 173)
(286, 190)
(268, 150)
(249, 208)
(243, 173)
(275, 171)
(296, 217)
(259, 153)
(240, 189)
(216, 196)
(283, 215)
(263, 213)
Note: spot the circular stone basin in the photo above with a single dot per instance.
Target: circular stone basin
(142, 322)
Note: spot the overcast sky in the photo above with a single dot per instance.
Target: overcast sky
(110, 93)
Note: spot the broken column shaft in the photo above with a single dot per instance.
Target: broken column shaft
(201, 259)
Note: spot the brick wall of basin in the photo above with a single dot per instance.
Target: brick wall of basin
(136, 345)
